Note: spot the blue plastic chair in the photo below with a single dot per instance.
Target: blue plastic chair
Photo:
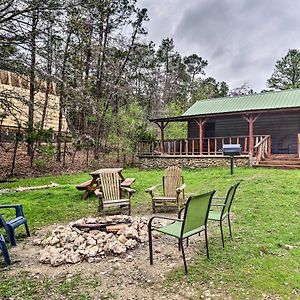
(4, 251)
(12, 224)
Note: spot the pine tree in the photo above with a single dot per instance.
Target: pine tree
(286, 74)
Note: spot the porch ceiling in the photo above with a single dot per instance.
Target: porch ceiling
(191, 117)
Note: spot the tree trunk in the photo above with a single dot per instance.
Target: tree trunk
(18, 137)
(49, 73)
(114, 93)
(64, 152)
(100, 66)
(1, 122)
(32, 82)
(45, 103)
(87, 156)
(62, 98)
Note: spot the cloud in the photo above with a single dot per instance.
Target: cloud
(241, 39)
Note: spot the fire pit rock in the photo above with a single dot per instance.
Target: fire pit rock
(90, 239)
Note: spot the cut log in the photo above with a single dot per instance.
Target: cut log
(29, 188)
(116, 228)
(108, 227)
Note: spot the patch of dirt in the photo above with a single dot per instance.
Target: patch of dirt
(82, 161)
(127, 276)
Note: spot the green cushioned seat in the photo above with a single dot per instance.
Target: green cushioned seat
(217, 215)
(221, 211)
(174, 229)
(194, 221)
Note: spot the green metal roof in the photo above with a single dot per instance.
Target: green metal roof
(265, 101)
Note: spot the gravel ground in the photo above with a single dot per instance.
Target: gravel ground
(127, 276)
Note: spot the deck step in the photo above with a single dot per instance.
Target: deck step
(280, 162)
(284, 156)
(278, 166)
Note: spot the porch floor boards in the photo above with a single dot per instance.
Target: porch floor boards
(192, 156)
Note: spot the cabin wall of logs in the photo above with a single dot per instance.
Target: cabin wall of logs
(283, 127)
(17, 88)
(22, 81)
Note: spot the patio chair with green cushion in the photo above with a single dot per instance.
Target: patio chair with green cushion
(224, 205)
(194, 221)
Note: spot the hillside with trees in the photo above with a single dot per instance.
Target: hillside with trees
(110, 80)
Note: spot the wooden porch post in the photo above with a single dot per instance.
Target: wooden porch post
(162, 137)
(200, 136)
(251, 119)
(162, 126)
(251, 135)
(200, 123)
(269, 147)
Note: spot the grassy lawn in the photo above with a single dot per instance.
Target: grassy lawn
(263, 259)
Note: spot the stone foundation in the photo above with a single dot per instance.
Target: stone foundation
(190, 162)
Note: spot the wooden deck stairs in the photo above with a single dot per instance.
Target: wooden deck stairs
(280, 161)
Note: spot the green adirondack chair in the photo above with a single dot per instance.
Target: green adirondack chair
(221, 214)
(194, 221)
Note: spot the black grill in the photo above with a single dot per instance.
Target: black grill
(231, 150)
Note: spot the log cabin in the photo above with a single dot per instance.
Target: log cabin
(16, 86)
(266, 125)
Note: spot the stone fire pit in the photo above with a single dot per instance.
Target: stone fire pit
(90, 239)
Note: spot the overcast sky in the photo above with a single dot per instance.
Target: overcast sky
(241, 39)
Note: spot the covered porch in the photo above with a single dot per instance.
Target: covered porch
(208, 147)
(260, 135)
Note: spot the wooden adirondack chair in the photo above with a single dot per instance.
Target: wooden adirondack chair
(173, 186)
(111, 193)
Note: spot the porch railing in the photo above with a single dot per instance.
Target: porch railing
(210, 146)
(262, 149)
(148, 147)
